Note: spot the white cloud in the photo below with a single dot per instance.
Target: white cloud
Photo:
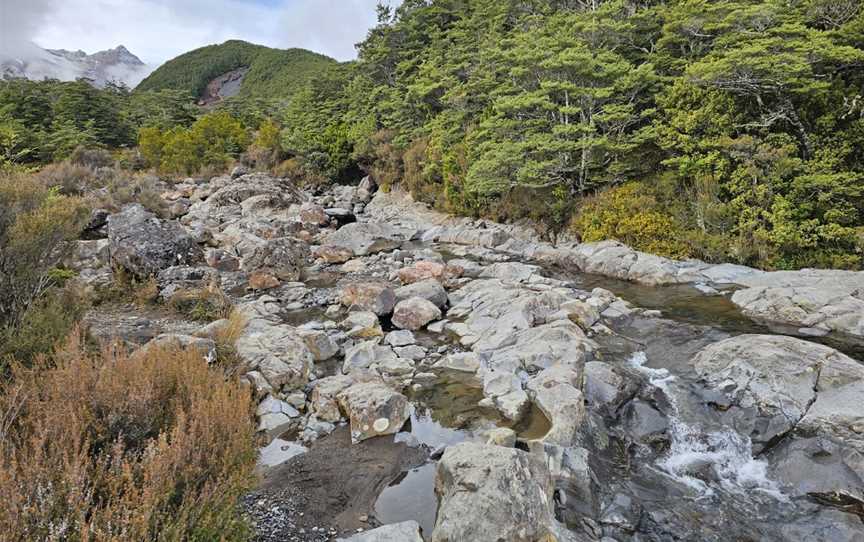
(157, 30)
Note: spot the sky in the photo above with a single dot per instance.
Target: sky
(158, 30)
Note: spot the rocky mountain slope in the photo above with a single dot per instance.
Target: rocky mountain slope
(116, 65)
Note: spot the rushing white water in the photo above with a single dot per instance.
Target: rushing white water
(724, 455)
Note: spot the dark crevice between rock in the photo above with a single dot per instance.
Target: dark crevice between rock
(775, 442)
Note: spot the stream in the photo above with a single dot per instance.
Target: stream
(665, 467)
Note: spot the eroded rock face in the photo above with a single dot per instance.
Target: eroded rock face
(490, 493)
(822, 301)
(555, 392)
(374, 409)
(143, 244)
(799, 402)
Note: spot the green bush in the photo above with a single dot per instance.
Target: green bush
(36, 224)
(632, 216)
(213, 141)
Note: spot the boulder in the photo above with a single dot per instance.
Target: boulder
(367, 354)
(184, 278)
(221, 260)
(362, 325)
(275, 416)
(283, 258)
(375, 297)
(373, 410)
(340, 215)
(263, 280)
(430, 290)
(603, 387)
(310, 213)
(274, 349)
(319, 343)
(492, 494)
(333, 254)
(422, 270)
(407, 531)
(143, 244)
(323, 401)
(364, 238)
(401, 337)
(414, 313)
(771, 383)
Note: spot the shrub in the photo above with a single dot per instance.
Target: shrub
(156, 446)
(123, 188)
(204, 305)
(631, 215)
(92, 158)
(71, 179)
(36, 224)
(214, 141)
(225, 338)
(44, 324)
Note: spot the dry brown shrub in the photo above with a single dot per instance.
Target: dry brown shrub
(104, 447)
(71, 179)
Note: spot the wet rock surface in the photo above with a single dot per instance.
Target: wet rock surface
(487, 385)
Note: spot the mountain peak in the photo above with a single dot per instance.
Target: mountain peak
(111, 65)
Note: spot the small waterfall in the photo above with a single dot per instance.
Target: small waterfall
(722, 456)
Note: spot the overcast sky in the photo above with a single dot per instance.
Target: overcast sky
(157, 30)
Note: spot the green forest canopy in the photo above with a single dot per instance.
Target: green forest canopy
(729, 130)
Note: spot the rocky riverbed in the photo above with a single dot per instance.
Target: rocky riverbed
(425, 377)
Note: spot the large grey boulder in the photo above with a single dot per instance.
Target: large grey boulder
(414, 313)
(373, 409)
(364, 238)
(275, 349)
(430, 290)
(490, 493)
(283, 258)
(374, 297)
(143, 244)
(771, 383)
(407, 531)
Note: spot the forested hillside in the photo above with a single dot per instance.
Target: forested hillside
(740, 121)
(273, 73)
(727, 131)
